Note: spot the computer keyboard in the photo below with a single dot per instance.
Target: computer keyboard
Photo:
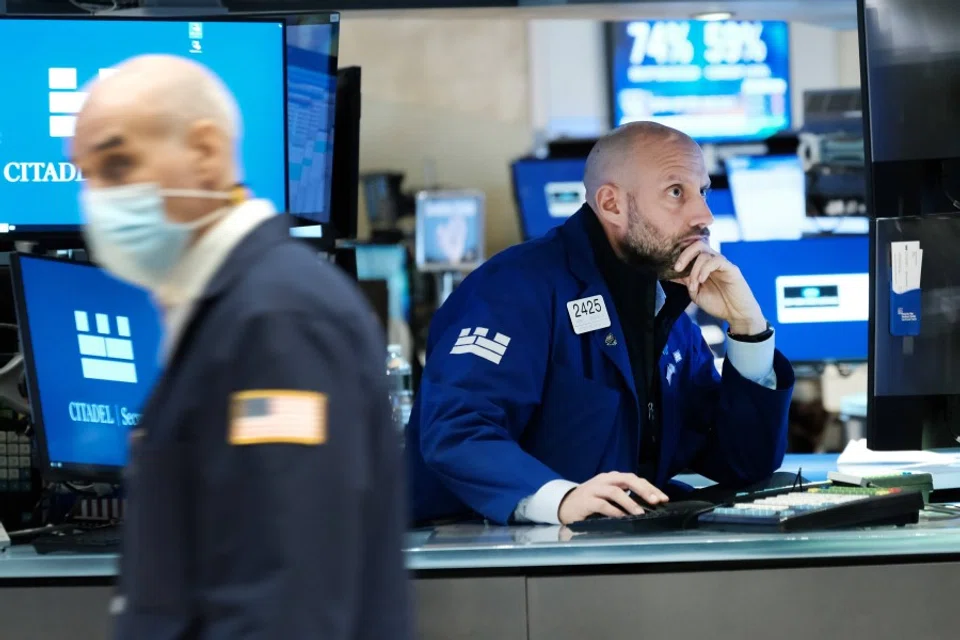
(671, 516)
(87, 540)
(819, 508)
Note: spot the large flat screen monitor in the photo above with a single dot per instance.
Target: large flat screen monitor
(281, 71)
(91, 348)
(713, 80)
(814, 291)
(547, 191)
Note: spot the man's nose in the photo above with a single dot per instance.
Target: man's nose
(701, 216)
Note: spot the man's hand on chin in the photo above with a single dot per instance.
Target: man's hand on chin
(716, 285)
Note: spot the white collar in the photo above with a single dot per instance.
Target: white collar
(194, 272)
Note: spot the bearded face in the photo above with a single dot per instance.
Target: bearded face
(645, 245)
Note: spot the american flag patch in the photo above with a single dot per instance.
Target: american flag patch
(278, 417)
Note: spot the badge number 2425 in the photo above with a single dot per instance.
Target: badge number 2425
(588, 314)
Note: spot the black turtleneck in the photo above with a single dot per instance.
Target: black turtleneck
(634, 292)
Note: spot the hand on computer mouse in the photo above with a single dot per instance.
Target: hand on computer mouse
(606, 495)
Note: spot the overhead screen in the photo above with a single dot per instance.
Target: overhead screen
(274, 69)
(714, 80)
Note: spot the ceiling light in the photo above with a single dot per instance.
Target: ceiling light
(713, 16)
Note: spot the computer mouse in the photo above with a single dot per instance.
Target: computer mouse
(646, 506)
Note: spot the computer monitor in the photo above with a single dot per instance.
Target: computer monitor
(91, 348)
(720, 201)
(312, 42)
(388, 262)
(282, 72)
(769, 196)
(449, 230)
(547, 191)
(814, 291)
(716, 80)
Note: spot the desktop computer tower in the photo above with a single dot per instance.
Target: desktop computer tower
(910, 71)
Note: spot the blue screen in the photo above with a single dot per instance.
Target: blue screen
(715, 80)
(449, 231)
(548, 192)
(94, 348)
(311, 109)
(814, 291)
(387, 262)
(49, 62)
(720, 202)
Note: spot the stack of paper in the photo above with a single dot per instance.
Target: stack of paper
(858, 459)
(906, 258)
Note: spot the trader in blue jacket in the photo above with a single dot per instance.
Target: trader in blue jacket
(565, 371)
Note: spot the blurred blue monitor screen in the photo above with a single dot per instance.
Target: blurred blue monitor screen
(39, 186)
(814, 291)
(720, 202)
(388, 262)
(548, 191)
(713, 80)
(449, 230)
(311, 108)
(92, 353)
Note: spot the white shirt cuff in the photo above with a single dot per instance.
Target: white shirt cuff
(754, 360)
(544, 506)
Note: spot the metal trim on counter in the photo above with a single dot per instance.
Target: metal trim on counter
(23, 562)
(491, 548)
(480, 548)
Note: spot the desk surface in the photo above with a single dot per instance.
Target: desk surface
(479, 547)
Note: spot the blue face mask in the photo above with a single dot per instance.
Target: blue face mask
(129, 234)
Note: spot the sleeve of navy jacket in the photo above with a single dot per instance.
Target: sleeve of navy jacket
(486, 364)
(301, 535)
(741, 423)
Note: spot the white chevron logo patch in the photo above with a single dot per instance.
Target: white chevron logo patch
(477, 343)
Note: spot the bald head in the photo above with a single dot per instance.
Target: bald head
(647, 184)
(171, 92)
(163, 120)
(617, 151)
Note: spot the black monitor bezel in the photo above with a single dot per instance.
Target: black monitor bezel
(71, 235)
(70, 471)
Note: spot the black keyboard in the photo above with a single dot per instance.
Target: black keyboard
(87, 540)
(671, 516)
(818, 509)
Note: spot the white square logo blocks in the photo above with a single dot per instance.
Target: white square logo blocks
(65, 100)
(103, 356)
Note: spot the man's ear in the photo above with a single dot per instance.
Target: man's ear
(211, 150)
(608, 206)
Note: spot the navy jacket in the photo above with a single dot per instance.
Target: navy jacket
(512, 398)
(268, 541)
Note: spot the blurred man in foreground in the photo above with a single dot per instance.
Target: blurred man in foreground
(264, 478)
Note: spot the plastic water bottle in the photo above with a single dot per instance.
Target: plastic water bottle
(400, 381)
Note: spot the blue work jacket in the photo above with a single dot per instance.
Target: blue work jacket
(268, 539)
(512, 397)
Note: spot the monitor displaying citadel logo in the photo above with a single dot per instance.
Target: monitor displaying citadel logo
(103, 356)
(65, 101)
